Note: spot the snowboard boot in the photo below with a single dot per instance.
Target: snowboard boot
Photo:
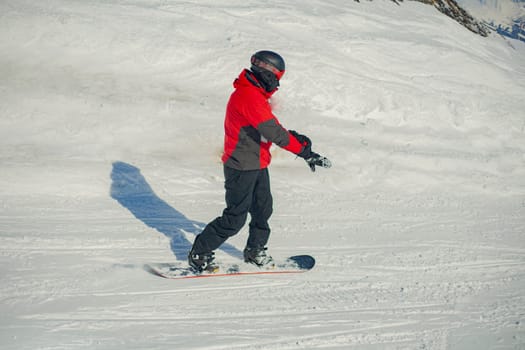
(258, 257)
(203, 262)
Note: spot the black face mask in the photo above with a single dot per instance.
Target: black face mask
(267, 79)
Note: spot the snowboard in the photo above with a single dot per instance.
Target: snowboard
(293, 264)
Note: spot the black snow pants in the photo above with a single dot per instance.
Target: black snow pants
(247, 191)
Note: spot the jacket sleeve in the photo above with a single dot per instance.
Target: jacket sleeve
(262, 118)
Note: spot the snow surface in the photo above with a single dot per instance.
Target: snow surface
(111, 119)
(499, 11)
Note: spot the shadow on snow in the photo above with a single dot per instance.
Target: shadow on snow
(133, 192)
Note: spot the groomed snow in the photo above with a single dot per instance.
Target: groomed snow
(111, 119)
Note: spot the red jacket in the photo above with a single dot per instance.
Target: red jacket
(251, 127)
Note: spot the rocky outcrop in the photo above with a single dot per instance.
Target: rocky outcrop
(453, 10)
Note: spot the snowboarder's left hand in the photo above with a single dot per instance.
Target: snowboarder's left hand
(318, 160)
(312, 159)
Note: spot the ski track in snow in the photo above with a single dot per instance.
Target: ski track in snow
(385, 294)
(417, 230)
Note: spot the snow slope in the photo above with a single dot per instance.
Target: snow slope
(499, 11)
(110, 136)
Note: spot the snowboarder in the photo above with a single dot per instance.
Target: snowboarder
(250, 129)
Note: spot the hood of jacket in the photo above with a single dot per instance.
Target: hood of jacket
(247, 80)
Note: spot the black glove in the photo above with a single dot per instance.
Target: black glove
(312, 159)
(318, 160)
(306, 152)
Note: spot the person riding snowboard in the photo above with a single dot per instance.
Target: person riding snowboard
(250, 129)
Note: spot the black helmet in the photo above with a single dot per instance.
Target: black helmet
(268, 68)
(269, 60)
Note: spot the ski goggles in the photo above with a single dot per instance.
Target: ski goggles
(267, 66)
